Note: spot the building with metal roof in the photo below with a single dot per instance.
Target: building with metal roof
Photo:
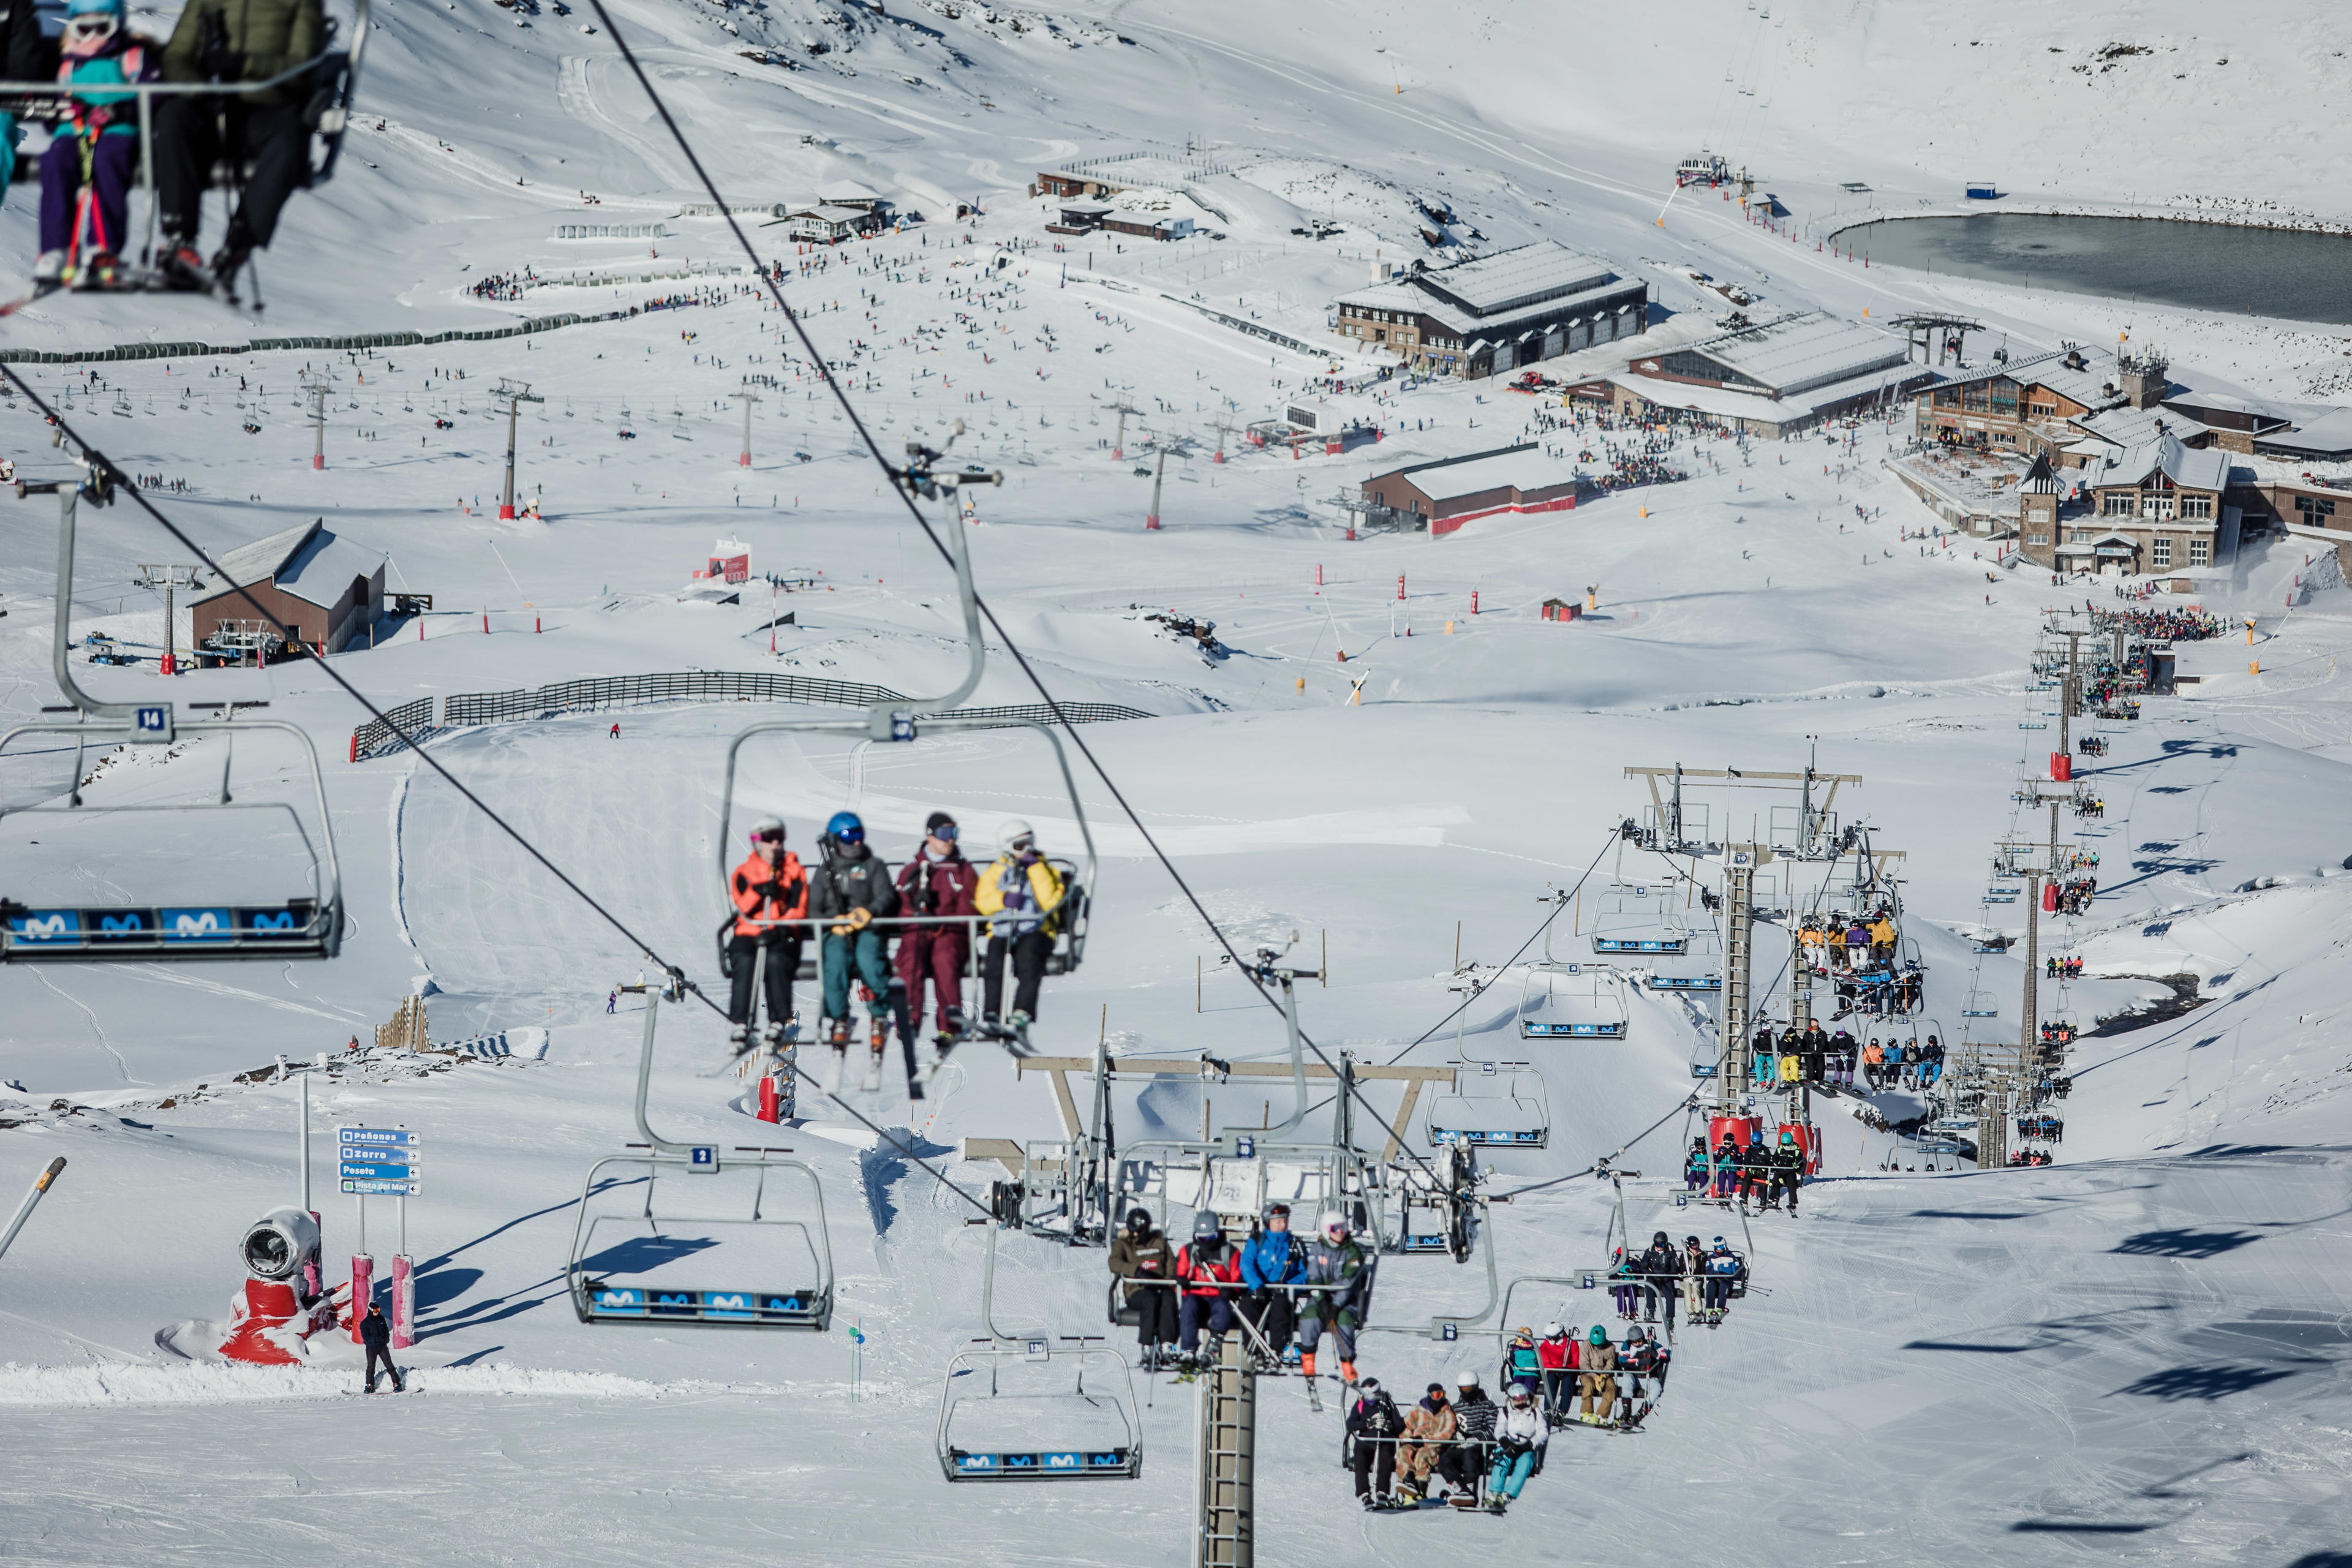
(1495, 313)
(1781, 359)
(1443, 494)
(324, 588)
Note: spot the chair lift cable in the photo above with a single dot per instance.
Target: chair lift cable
(104, 468)
(866, 435)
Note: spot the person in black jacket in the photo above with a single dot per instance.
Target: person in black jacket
(375, 1333)
(1788, 1171)
(1375, 1425)
(853, 887)
(1662, 1269)
(26, 56)
(1463, 1465)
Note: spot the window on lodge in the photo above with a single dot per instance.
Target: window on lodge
(2197, 507)
(2119, 503)
(2315, 506)
(2159, 551)
(2037, 538)
(2201, 553)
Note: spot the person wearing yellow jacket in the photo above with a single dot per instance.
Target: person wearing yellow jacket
(1023, 894)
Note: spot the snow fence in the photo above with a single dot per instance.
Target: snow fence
(609, 693)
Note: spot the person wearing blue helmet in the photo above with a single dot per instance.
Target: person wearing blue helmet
(852, 888)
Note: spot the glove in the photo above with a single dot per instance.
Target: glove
(860, 918)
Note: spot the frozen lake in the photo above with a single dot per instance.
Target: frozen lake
(2211, 266)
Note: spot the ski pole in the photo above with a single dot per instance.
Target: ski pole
(24, 1210)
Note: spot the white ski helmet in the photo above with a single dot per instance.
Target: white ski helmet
(1015, 836)
(768, 827)
(1334, 1222)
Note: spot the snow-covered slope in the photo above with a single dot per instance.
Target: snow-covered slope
(2136, 1349)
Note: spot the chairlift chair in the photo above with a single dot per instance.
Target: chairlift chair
(50, 916)
(1571, 1000)
(1980, 1004)
(1024, 1411)
(751, 1270)
(904, 722)
(1500, 1104)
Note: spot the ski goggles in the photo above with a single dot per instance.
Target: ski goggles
(96, 27)
(945, 833)
(773, 836)
(850, 835)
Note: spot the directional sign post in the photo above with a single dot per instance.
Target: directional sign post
(382, 1162)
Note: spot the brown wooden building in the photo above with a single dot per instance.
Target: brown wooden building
(1499, 312)
(1442, 495)
(326, 589)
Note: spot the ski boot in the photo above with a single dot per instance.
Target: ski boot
(1305, 1363)
(738, 1040)
(1347, 1369)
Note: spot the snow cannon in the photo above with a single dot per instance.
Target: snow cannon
(284, 1301)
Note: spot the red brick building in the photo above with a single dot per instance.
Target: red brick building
(1444, 494)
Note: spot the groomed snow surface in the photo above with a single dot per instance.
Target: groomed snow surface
(2137, 1353)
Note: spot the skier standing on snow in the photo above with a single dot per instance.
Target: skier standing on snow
(769, 886)
(939, 881)
(1024, 892)
(852, 888)
(375, 1333)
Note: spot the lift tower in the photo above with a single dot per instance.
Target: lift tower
(514, 394)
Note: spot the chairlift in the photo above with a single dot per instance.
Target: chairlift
(1579, 1001)
(326, 84)
(904, 722)
(220, 908)
(1980, 1004)
(747, 1271)
(1640, 919)
(1018, 1408)
(1500, 1104)
(1024, 1412)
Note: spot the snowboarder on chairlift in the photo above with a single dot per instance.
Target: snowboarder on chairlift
(852, 888)
(767, 887)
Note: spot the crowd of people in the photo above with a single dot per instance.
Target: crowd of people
(1281, 1292)
(93, 157)
(1755, 1172)
(2072, 896)
(2184, 625)
(1815, 1055)
(854, 906)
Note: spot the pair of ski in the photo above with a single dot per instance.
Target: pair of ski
(125, 280)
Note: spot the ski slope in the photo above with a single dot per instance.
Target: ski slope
(2135, 1352)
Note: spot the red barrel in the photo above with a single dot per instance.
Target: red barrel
(2049, 897)
(1744, 1130)
(2062, 768)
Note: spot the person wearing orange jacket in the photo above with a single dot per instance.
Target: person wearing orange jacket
(769, 886)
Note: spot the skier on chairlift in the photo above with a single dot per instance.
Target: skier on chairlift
(1271, 1259)
(1520, 1434)
(937, 881)
(769, 885)
(852, 888)
(1023, 892)
(1205, 1268)
(1340, 1267)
